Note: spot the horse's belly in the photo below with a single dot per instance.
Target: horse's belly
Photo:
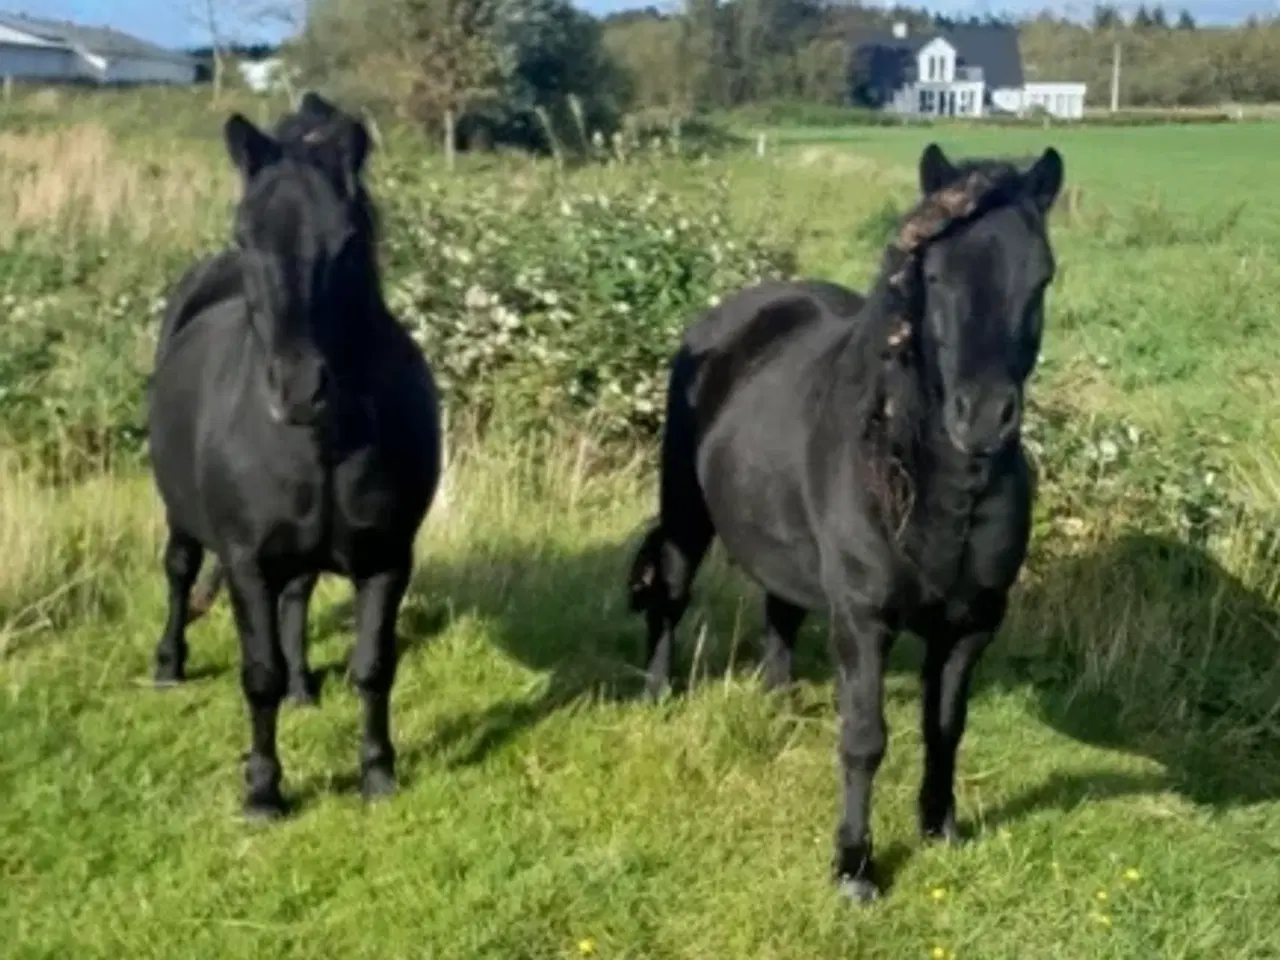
(781, 557)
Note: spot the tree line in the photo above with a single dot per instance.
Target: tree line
(515, 70)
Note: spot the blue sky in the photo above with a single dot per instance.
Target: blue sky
(167, 22)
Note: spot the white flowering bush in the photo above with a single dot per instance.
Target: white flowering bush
(564, 309)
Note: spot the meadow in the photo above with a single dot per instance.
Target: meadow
(1121, 771)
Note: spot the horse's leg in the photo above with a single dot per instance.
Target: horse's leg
(951, 654)
(204, 594)
(293, 637)
(668, 562)
(182, 558)
(262, 677)
(782, 624)
(373, 668)
(862, 642)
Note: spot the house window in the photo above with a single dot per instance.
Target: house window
(1061, 101)
(926, 101)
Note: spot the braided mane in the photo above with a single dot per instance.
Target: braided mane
(895, 404)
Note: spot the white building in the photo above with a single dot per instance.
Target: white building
(963, 71)
(269, 75)
(36, 49)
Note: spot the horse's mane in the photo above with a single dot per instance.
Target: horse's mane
(887, 364)
(313, 135)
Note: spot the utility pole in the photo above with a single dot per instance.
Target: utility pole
(1115, 75)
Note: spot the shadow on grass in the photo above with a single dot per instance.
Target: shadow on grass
(1150, 647)
(1146, 645)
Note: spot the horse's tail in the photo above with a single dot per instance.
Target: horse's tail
(205, 592)
(646, 569)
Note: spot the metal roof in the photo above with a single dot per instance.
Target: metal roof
(103, 41)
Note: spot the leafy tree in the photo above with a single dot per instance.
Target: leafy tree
(1107, 17)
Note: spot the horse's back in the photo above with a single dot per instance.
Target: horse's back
(745, 394)
(770, 338)
(208, 283)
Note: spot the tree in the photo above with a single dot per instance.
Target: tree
(453, 53)
(1107, 17)
(227, 21)
(205, 13)
(1186, 21)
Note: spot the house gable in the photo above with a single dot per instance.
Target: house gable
(992, 49)
(936, 61)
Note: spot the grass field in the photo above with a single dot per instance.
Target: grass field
(1122, 766)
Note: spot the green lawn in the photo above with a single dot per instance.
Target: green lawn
(1121, 771)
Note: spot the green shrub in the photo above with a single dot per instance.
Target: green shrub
(558, 311)
(566, 310)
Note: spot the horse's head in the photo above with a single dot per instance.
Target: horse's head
(308, 254)
(973, 262)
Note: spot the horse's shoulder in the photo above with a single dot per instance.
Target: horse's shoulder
(208, 283)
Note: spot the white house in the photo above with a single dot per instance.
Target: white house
(963, 71)
(267, 75)
(37, 49)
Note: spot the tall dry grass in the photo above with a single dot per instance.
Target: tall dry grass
(83, 179)
(69, 554)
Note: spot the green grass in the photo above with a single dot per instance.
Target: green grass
(1123, 737)
(543, 805)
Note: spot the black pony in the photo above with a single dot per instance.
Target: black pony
(294, 429)
(310, 129)
(862, 456)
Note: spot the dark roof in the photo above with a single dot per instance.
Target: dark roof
(100, 40)
(992, 47)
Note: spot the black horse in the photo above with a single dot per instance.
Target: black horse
(862, 456)
(315, 122)
(294, 429)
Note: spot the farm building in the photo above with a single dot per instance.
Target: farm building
(963, 71)
(32, 48)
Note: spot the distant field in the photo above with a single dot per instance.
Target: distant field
(1122, 769)
(1197, 169)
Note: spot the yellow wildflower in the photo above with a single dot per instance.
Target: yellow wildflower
(586, 946)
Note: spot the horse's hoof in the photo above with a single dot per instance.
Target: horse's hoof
(945, 832)
(303, 695)
(656, 689)
(858, 890)
(169, 676)
(264, 809)
(377, 784)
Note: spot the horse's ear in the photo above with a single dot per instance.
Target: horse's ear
(249, 148)
(936, 171)
(355, 143)
(1043, 181)
(317, 106)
